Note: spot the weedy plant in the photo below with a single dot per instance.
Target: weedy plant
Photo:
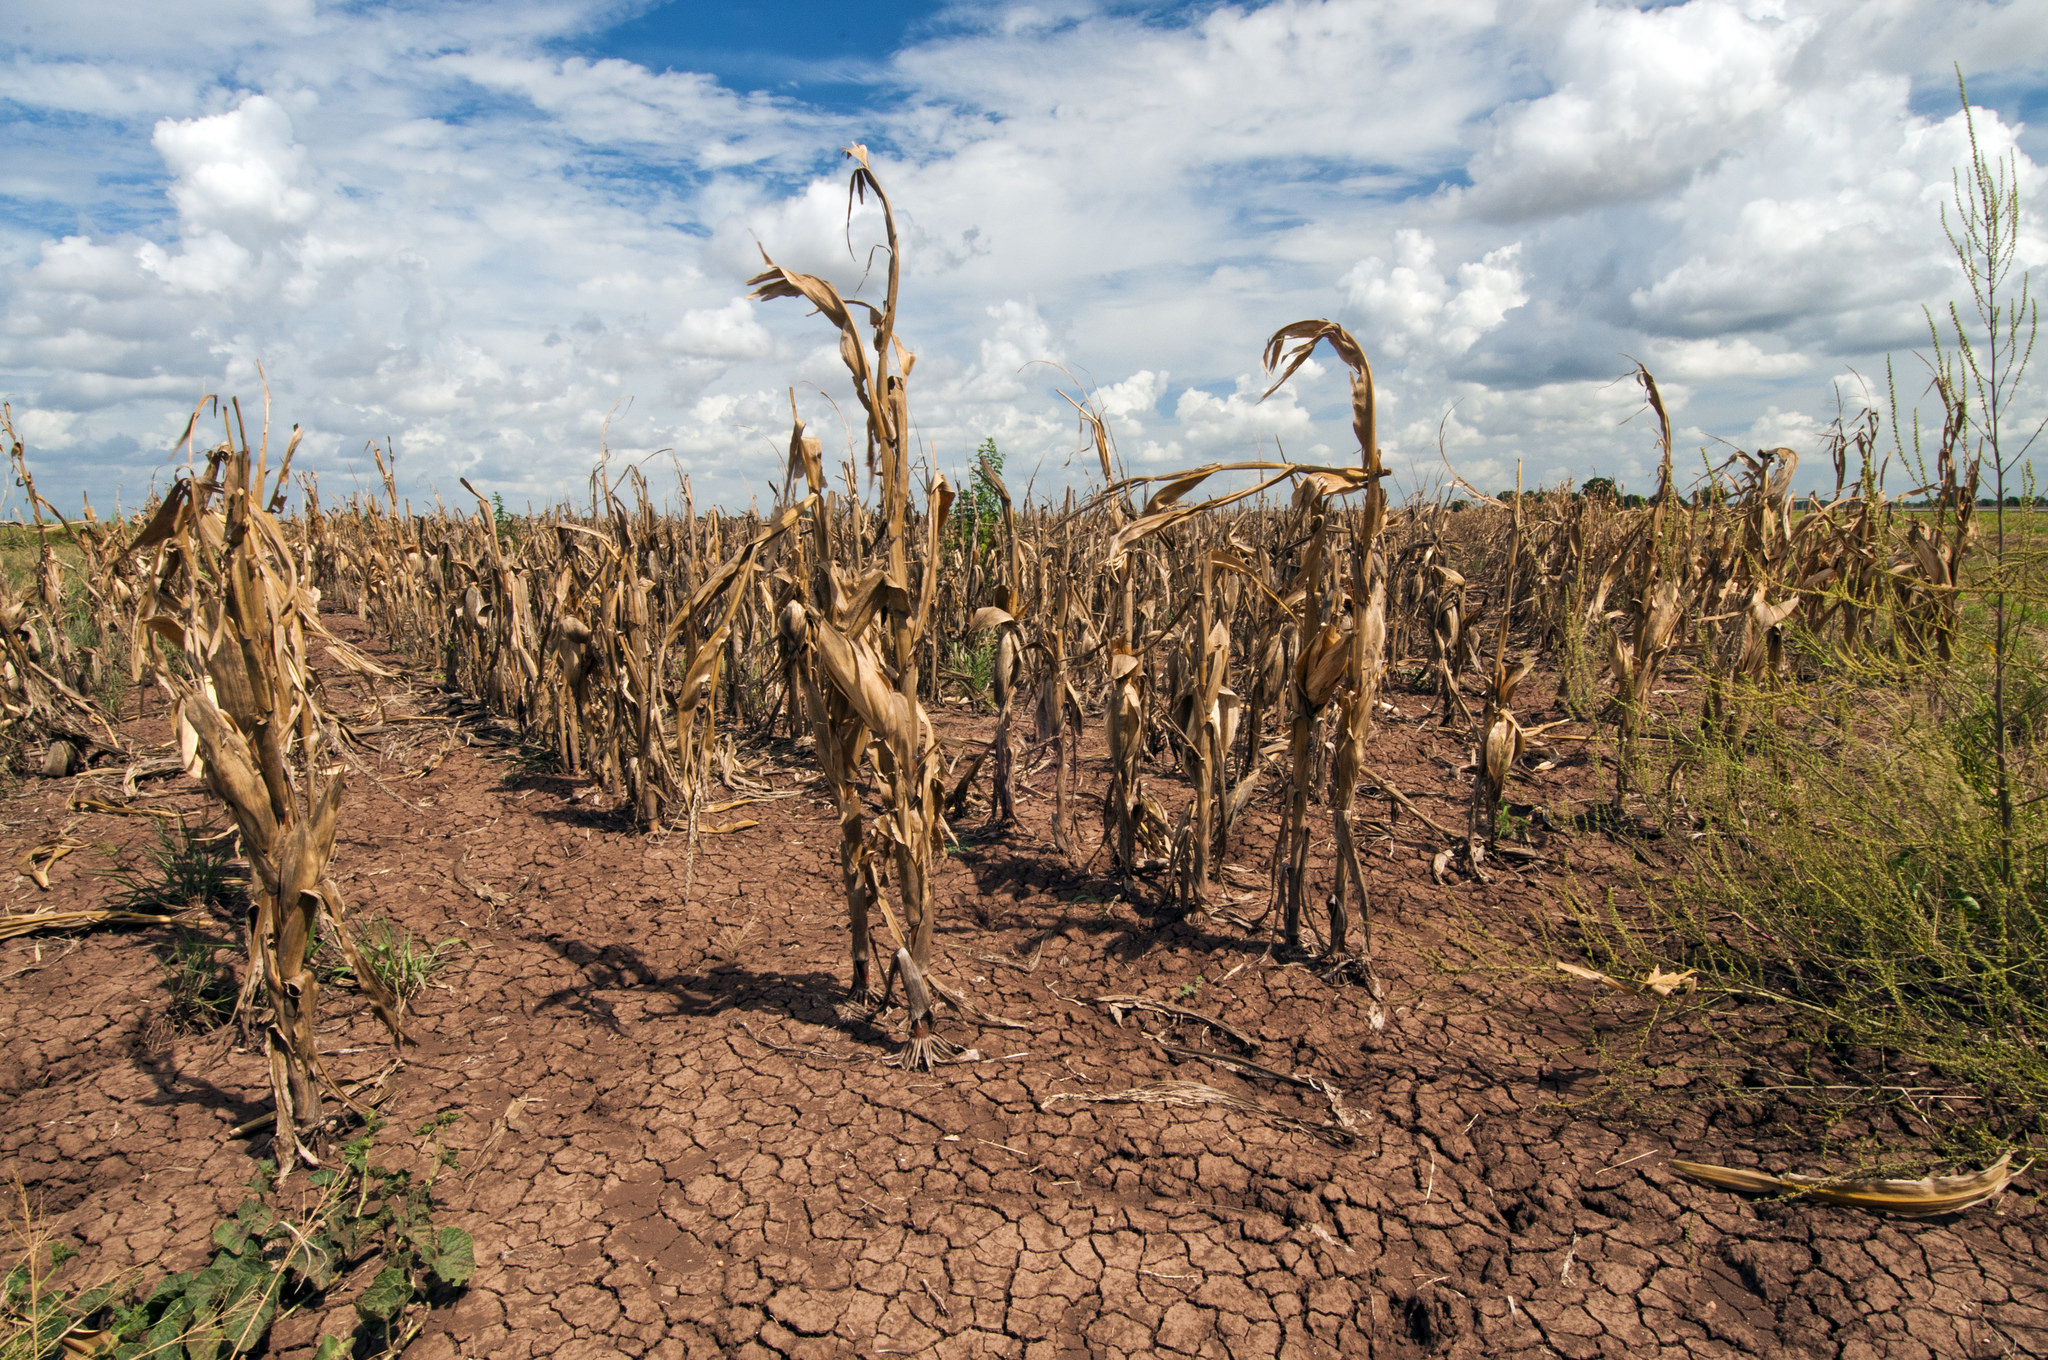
(402, 963)
(203, 988)
(273, 1257)
(186, 869)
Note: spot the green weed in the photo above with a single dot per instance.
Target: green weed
(975, 669)
(530, 760)
(203, 988)
(272, 1258)
(402, 961)
(1849, 863)
(185, 870)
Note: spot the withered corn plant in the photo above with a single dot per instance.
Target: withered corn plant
(1057, 716)
(1500, 735)
(1208, 710)
(47, 681)
(865, 632)
(1341, 658)
(225, 594)
(1642, 632)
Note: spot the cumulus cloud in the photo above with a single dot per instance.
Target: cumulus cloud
(1020, 336)
(46, 429)
(728, 332)
(1410, 305)
(431, 223)
(238, 173)
(1698, 361)
(1133, 400)
(1644, 100)
(1775, 429)
(1826, 245)
(1239, 425)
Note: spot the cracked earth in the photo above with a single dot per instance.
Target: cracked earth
(677, 1140)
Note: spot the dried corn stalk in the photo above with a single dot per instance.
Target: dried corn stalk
(43, 676)
(865, 633)
(1335, 661)
(226, 592)
(1501, 740)
(1642, 635)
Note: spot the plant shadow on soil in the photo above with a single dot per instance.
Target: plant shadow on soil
(811, 997)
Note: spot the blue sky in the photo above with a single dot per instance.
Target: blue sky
(508, 234)
(832, 55)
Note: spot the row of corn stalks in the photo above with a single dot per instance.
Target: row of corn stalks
(1231, 627)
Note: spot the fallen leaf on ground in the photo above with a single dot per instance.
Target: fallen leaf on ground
(1658, 983)
(1923, 1198)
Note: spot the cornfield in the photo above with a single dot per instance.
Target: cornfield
(1232, 628)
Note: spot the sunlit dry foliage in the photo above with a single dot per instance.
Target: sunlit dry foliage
(232, 621)
(1238, 629)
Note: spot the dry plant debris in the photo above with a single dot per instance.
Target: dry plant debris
(1923, 1198)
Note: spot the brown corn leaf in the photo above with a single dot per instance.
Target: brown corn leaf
(302, 859)
(1924, 1198)
(858, 676)
(696, 687)
(27, 923)
(164, 523)
(1307, 334)
(1320, 483)
(1170, 494)
(231, 768)
(79, 803)
(39, 860)
(1503, 748)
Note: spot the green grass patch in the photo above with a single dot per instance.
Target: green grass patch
(405, 963)
(184, 870)
(1848, 860)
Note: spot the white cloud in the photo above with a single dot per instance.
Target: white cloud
(1833, 236)
(238, 173)
(1776, 429)
(728, 332)
(102, 89)
(1021, 337)
(1644, 100)
(49, 430)
(1707, 360)
(1133, 400)
(431, 223)
(1239, 425)
(683, 115)
(208, 263)
(1409, 305)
